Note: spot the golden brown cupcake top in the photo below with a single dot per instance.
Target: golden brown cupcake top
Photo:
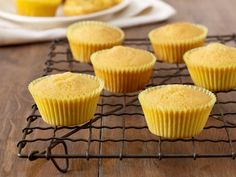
(67, 85)
(177, 31)
(122, 57)
(79, 7)
(213, 55)
(176, 97)
(94, 32)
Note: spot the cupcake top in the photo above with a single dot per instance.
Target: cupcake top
(77, 7)
(65, 86)
(177, 97)
(177, 31)
(122, 57)
(94, 32)
(213, 55)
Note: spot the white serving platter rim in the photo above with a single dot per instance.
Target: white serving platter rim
(25, 19)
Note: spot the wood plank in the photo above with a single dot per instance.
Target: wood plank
(219, 22)
(18, 69)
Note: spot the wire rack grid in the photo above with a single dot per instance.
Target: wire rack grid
(118, 129)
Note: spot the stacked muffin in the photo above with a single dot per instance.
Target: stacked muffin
(80, 7)
(172, 111)
(48, 8)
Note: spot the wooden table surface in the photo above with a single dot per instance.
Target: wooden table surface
(20, 64)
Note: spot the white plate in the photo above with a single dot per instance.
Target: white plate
(8, 12)
(16, 29)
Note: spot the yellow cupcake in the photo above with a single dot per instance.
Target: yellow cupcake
(66, 99)
(176, 111)
(80, 7)
(37, 7)
(123, 69)
(213, 67)
(170, 42)
(88, 37)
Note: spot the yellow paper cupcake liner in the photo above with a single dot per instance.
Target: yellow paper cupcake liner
(170, 123)
(214, 79)
(123, 80)
(36, 8)
(66, 112)
(81, 50)
(173, 51)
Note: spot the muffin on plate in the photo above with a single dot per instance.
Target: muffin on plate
(170, 42)
(123, 69)
(88, 37)
(66, 99)
(176, 111)
(38, 8)
(81, 7)
(213, 67)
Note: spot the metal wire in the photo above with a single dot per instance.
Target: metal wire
(60, 60)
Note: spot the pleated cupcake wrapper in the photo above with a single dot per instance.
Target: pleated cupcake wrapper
(123, 80)
(81, 50)
(169, 123)
(173, 51)
(214, 79)
(36, 8)
(70, 111)
(67, 112)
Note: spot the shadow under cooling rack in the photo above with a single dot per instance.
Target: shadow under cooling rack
(118, 129)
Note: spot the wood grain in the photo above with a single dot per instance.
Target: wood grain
(20, 64)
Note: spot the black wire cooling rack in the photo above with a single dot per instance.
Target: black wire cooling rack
(118, 129)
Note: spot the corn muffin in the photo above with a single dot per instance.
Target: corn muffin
(170, 42)
(90, 36)
(176, 111)
(213, 66)
(123, 69)
(39, 8)
(81, 7)
(67, 98)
